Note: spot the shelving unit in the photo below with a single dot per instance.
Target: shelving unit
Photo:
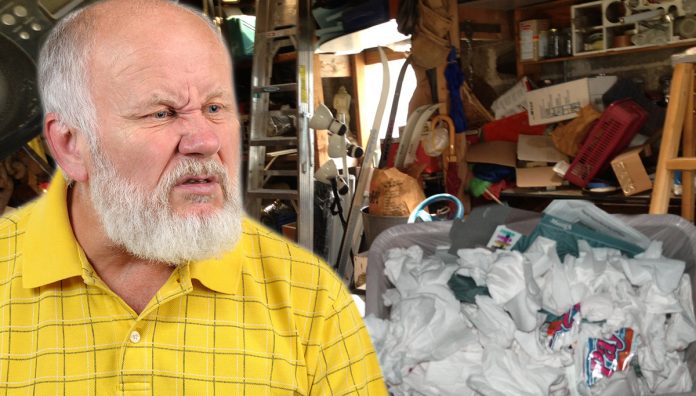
(558, 12)
(585, 18)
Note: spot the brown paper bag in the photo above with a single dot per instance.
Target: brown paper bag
(567, 138)
(393, 193)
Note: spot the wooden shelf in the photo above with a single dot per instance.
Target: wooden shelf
(559, 14)
(614, 51)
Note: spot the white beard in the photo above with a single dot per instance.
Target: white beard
(144, 224)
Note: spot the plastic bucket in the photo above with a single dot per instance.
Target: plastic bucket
(374, 225)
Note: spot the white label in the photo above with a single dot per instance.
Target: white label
(503, 238)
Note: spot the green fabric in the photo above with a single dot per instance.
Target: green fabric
(465, 289)
(477, 187)
(567, 236)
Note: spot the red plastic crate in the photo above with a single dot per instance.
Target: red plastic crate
(611, 133)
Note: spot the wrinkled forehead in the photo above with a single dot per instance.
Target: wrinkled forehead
(118, 24)
(165, 39)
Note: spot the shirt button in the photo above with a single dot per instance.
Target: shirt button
(8, 19)
(20, 11)
(135, 337)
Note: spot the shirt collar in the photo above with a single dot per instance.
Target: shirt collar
(222, 274)
(53, 254)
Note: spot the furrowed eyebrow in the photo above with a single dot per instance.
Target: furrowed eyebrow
(151, 101)
(157, 99)
(218, 94)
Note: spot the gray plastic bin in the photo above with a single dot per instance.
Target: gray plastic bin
(677, 234)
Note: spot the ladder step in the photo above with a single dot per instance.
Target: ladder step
(280, 172)
(273, 193)
(282, 43)
(274, 141)
(275, 88)
(287, 32)
(683, 163)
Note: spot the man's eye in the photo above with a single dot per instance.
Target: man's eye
(214, 108)
(162, 114)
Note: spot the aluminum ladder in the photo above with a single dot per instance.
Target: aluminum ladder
(272, 33)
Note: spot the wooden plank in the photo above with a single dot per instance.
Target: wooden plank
(357, 63)
(334, 65)
(688, 151)
(454, 28)
(671, 135)
(371, 55)
(486, 24)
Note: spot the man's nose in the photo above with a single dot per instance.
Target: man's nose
(199, 138)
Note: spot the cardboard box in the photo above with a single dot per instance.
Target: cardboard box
(533, 39)
(538, 149)
(630, 172)
(494, 152)
(563, 101)
(538, 177)
(505, 153)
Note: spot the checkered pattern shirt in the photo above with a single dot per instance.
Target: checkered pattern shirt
(267, 318)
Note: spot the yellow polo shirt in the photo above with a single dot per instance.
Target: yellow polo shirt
(268, 318)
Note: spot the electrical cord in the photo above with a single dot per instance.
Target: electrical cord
(336, 208)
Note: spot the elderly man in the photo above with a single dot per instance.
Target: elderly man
(137, 272)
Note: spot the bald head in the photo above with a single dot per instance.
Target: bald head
(65, 71)
(140, 16)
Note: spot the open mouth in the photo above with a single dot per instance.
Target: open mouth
(197, 180)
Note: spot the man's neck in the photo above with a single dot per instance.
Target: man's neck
(134, 279)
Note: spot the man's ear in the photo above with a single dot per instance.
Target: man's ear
(65, 145)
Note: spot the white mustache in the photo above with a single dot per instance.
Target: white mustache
(192, 167)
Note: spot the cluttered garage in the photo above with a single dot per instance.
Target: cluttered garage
(506, 187)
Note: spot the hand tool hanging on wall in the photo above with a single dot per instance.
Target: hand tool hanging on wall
(392, 114)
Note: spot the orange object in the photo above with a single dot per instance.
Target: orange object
(449, 158)
(510, 128)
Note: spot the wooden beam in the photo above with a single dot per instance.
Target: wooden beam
(486, 24)
(680, 88)
(371, 55)
(688, 151)
(357, 66)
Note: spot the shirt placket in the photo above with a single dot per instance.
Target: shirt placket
(138, 349)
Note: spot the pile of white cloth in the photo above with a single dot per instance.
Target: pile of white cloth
(434, 345)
